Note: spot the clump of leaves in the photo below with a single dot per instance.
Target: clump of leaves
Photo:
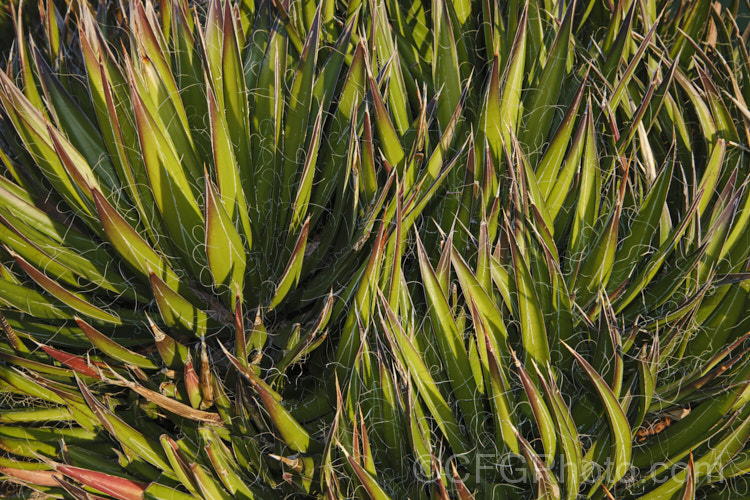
(442, 249)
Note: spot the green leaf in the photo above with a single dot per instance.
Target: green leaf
(373, 489)
(389, 55)
(297, 119)
(533, 329)
(304, 188)
(30, 301)
(511, 100)
(618, 422)
(543, 99)
(388, 138)
(129, 437)
(700, 424)
(449, 340)
(423, 380)
(587, 209)
(265, 125)
(561, 187)
(293, 434)
(227, 172)
(445, 67)
(475, 293)
(349, 99)
(70, 116)
(541, 413)
(595, 268)
(548, 172)
(642, 228)
(546, 484)
(568, 436)
(628, 73)
(712, 462)
(710, 177)
(489, 130)
(130, 246)
(172, 191)
(224, 248)
(33, 128)
(650, 268)
(112, 348)
(176, 310)
(71, 299)
(293, 268)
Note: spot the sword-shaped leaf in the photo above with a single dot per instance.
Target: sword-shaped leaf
(373, 489)
(304, 188)
(541, 413)
(548, 172)
(445, 63)
(642, 228)
(177, 311)
(30, 301)
(293, 268)
(129, 244)
(388, 138)
(618, 422)
(73, 300)
(423, 380)
(112, 348)
(224, 248)
(510, 103)
(124, 433)
(530, 315)
(449, 340)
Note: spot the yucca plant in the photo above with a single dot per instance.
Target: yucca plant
(427, 249)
